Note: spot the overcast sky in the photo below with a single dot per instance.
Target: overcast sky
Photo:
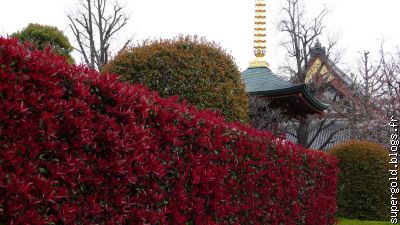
(361, 24)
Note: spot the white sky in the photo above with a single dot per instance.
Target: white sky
(361, 24)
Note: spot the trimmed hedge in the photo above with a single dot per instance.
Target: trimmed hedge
(363, 187)
(79, 148)
(192, 68)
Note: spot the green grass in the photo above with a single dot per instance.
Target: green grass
(344, 221)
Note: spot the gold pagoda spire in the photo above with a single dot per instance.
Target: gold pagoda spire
(260, 35)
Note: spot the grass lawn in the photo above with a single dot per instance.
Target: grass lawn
(344, 221)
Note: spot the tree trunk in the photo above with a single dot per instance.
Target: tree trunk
(302, 132)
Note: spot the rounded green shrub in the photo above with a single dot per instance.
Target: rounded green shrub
(363, 186)
(43, 36)
(192, 68)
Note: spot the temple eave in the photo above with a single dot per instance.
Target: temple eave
(295, 101)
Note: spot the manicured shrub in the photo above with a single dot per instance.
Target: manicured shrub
(80, 148)
(43, 36)
(198, 71)
(363, 186)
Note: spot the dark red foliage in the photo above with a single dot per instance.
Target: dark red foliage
(80, 148)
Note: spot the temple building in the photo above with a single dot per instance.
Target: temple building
(339, 88)
(322, 69)
(295, 100)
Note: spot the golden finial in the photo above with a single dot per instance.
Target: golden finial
(260, 35)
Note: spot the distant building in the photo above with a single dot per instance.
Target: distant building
(296, 100)
(340, 87)
(321, 68)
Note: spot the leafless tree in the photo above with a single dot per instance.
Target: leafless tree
(94, 26)
(390, 71)
(371, 79)
(363, 111)
(375, 95)
(301, 33)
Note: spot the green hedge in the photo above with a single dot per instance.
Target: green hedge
(363, 187)
(194, 69)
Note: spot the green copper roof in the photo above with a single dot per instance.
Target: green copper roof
(262, 79)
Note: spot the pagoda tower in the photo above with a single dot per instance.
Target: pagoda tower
(260, 35)
(293, 99)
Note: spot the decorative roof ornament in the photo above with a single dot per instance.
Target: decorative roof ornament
(260, 35)
(317, 50)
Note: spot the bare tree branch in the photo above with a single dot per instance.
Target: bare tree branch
(302, 33)
(94, 27)
(263, 116)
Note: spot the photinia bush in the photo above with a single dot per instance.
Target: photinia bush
(80, 148)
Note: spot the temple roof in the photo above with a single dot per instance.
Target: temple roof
(262, 79)
(317, 52)
(297, 99)
(294, 100)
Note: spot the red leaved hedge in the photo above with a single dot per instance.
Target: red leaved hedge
(80, 148)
